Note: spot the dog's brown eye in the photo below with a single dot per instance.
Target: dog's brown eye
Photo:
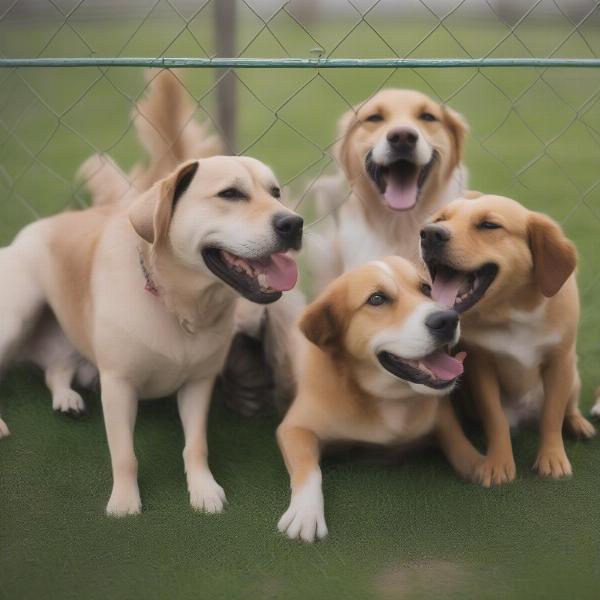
(275, 192)
(232, 194)
(488, 225)
(427, 117)
(374, 118)
(426, 289)
(377, 299)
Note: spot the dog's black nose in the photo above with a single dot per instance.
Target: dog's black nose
(442, 325)
(434, 236)
(289, 229)
(403, 140)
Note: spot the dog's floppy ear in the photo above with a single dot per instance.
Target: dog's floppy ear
(322, 322)
(459, 129)
(346, 124)
(151, 213)
(554, 256)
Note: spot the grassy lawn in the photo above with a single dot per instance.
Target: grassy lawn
(405, 530)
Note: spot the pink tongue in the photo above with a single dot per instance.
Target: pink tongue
(400, 197)
(445, 288)
(281, 272)
(444, 366)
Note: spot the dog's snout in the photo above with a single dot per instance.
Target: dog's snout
(434, 236)
(289, 228)
(403, 139)
(442, 325)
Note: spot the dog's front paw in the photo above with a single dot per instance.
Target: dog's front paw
(205, 493)
(124, 501)
(4, 431)
(495, 471)
(553, 463)
(68, 402)
(305, 517)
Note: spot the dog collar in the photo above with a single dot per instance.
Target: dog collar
(150, 285)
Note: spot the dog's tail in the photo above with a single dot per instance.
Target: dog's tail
(164, 121)
(105, 181)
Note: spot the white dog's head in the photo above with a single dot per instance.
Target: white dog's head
(223, 215)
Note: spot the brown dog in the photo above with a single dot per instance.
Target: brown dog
(510, 272)
(373, 367)
(400, 153)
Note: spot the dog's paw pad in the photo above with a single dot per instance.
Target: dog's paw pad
(4, 431)
(68, 402)
(206, 494)
(553, 464)
(123, 503)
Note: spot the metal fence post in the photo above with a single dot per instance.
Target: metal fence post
(225, 31)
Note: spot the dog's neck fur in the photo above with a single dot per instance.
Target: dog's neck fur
(400, 230)
(526, 299)
(182, 290)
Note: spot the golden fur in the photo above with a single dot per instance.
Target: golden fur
(344, 394)
(520, 336)
(361, 213)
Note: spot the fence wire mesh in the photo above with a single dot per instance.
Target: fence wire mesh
(535, 131)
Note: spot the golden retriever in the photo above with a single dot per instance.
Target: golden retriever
(146, 292)
(400, 152)
(510, 273)
(372, 367)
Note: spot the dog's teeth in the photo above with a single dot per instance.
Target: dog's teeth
(262, 281)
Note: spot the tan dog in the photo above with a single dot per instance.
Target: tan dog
(510, 272)
(146, 292)
(372, 367)
(401, 153)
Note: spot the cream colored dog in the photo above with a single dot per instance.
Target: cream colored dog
(510, 272)
(373, 367)
(400, 153)
(146, 292)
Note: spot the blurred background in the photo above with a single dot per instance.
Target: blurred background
(395, 531)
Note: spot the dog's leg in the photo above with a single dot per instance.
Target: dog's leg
(459, 451)
(305, 517)
(575, 423)
(50, 349)
(560, 378)
(58, 378)
(193, 401)
(119, 403)
(498, 466)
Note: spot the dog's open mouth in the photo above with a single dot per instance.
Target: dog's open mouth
(401, 181)
(260, 280)
(437, 370)
(460, 290)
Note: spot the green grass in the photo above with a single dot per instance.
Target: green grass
(404, 530)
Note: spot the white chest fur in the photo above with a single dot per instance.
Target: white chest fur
(525, 338)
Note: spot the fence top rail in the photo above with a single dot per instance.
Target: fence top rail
(300, 63)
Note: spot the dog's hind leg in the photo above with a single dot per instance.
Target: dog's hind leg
(50, 349)
(575, 423)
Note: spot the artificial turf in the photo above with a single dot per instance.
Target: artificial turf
(409, 529)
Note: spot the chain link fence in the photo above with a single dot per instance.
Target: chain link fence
(524, 74)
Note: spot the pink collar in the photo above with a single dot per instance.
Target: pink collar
(150, 285)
